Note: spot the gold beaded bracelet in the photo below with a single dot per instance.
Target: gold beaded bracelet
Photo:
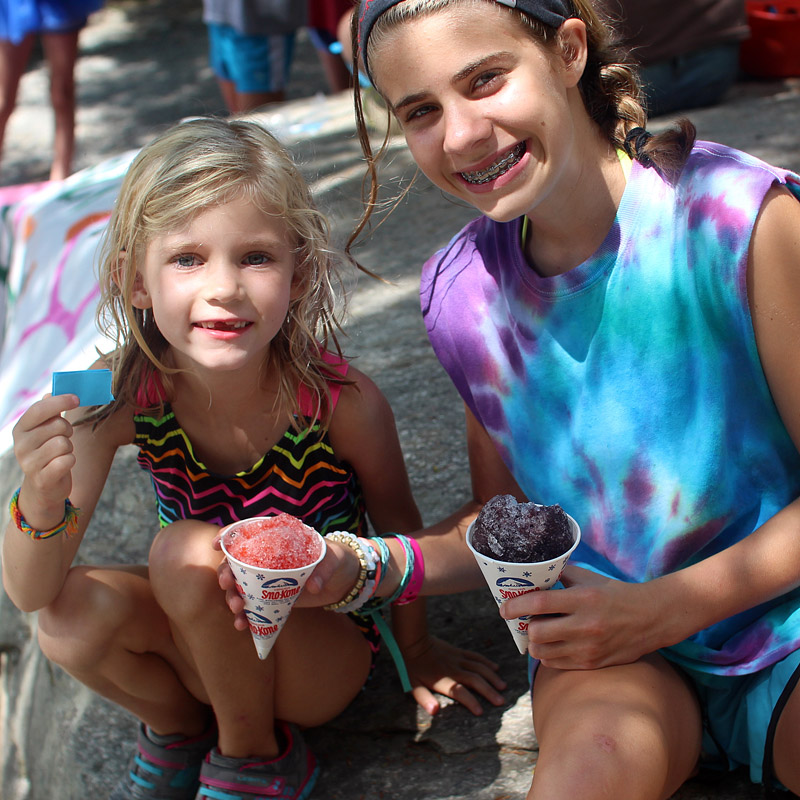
(351, 540)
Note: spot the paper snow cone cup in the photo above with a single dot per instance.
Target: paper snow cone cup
(268, 594)
(507, 579)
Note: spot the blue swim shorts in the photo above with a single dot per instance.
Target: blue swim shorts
(740, 714)
(251, 63)
(18, 18)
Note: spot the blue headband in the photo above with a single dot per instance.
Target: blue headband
(548, 12)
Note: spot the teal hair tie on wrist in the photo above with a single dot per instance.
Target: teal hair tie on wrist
(374, 608)
(407, 572)
(394, 649)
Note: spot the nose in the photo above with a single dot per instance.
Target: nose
(222, 280)
(465, 128)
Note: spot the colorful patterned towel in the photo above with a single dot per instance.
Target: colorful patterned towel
(49, 238)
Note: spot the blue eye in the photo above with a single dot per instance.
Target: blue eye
(486, 78)
(186, 260)
(419, 112)
(256, 259)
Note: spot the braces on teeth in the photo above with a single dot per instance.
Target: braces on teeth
(501, 166)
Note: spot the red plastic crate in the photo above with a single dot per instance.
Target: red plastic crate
(773, 49)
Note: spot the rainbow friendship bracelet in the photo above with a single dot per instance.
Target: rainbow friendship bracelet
(67, 526)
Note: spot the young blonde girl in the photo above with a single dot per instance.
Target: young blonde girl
(621, 323)
(218, 283)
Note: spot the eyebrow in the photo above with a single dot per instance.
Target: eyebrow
(462, 74)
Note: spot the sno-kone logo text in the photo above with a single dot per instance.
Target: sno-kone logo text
(279, 589)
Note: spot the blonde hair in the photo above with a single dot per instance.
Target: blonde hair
(191, 167)
(610, 88)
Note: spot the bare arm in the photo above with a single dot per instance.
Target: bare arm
(364, 434)
(452, 566)
(58, 461)
(449, 566)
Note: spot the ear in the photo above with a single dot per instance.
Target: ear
(140, 297)
(573, 50)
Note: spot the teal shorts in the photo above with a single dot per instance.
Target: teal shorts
(740, 714)
(254, 64)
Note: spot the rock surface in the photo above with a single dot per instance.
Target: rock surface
(143, 67)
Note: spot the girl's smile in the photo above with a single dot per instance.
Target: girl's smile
(224, 329)
(497, 168)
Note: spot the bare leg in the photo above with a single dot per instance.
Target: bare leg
(61, 51)
(107, 631)
(13, 59)
(785, 748)
(248, 694)
(631, 731)
(252, 101)
(336, 73)
(228, 91)
(241, 102)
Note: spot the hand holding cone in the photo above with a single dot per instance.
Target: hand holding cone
(507, 579)
(271, 559)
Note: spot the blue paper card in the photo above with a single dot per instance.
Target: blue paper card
(93, 386)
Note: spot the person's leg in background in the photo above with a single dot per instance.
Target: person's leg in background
(13, 59)
(251, 71)
(329, 51)
(61, 52)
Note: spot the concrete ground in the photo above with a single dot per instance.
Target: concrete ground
(143, 67)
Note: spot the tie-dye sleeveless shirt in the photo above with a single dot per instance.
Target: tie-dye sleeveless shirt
(629, 389)
(300, 475)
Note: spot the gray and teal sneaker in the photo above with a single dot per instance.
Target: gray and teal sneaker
(290, 776)
(164, 772)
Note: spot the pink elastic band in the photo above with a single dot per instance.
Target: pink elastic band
(414, 586)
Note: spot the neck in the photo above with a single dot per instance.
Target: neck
(569, 229)
(227, 393)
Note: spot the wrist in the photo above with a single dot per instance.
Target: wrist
(67, 522)
(393, 573)
(665, 618)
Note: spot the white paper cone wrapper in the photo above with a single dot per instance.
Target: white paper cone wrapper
(268, 594)
(507, 579)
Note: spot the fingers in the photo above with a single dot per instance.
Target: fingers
(233, 599)
(457, 674)
(531, 603)
(486, 682)
(573, 576)
(48, 407)
(425, 699)
(43, 443)
(461, 690)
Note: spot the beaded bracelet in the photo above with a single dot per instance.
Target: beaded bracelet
(368, 589)
(351, 540)
(67, 526)
(374, 568)
(410, 593)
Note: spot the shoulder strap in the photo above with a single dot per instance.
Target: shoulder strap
(339, 367)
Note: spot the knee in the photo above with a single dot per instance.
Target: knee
(183, 569)
(76, 630)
